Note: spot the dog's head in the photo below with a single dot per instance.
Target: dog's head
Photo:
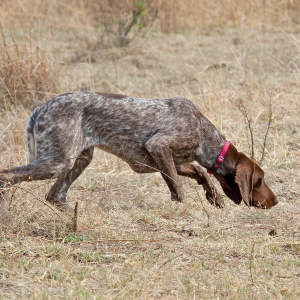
(247, 183)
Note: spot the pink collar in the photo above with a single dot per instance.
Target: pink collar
(220, 159)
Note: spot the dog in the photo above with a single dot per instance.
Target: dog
(151, 135)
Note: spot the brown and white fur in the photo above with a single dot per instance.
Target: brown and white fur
(151, 135)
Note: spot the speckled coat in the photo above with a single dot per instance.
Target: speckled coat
(151, 135)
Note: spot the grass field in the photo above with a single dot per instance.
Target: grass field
(132, 242)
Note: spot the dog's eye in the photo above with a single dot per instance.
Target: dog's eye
(258, 182)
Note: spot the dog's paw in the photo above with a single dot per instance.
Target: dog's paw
(215, 199)
(177, 197)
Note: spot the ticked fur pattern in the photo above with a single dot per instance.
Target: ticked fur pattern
(151, 135)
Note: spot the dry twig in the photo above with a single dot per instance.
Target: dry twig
(243, 110)
(122, 240)
(74, 219)
(251, 260)
(270, 120)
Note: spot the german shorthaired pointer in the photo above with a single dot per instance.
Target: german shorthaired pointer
(151, 135)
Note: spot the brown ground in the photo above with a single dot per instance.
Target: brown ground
(183, 251)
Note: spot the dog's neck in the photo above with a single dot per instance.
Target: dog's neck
(230, 161)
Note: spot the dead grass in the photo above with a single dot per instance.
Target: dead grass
(145, 245)
(168, 15)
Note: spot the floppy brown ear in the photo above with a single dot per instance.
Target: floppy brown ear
(229, 186)
(232, 194)
(244, 179)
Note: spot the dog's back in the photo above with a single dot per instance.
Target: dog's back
(121, 125)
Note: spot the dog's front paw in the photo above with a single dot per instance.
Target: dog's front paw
(177, 197)
(215, 198)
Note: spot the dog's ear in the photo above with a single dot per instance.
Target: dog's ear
(244, 179)
(232, 194)
(230, 188)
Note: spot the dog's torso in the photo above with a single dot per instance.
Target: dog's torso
(121, 125)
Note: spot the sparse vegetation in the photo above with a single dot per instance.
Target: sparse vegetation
(131, 240)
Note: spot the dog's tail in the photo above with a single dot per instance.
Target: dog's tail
(31, 143)
(30, 139)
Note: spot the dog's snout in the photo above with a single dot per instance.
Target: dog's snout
(275, 201)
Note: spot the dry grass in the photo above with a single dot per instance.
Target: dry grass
(170, 15)
(146, 246)
(31, 60)
(28, 74)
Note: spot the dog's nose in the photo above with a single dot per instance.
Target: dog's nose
(275, 201)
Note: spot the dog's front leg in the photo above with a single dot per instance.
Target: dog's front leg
(162, 154)
(200, 174)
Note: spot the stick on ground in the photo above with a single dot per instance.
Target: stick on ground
(74, 219)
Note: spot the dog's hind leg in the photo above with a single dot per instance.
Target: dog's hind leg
(200, 175)
(159, 150)
(58, 192)
(39, 169)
